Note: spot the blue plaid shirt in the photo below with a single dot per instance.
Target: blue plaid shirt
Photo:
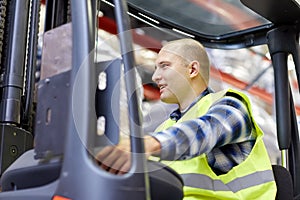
(224, 133)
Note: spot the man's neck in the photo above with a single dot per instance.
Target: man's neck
(183, 107)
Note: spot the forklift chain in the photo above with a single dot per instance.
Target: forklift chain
(3, 4)
(69, 12)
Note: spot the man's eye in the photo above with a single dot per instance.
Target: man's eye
(161, 66)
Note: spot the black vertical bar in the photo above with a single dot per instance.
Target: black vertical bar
(294, 151)
(13, 79)
(282, 100)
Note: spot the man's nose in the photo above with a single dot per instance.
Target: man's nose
(156, 75)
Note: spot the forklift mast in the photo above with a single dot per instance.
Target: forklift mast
(18, 52)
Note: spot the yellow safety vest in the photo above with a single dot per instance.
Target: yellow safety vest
(251, 179)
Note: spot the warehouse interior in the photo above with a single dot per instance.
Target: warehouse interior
(247, 68)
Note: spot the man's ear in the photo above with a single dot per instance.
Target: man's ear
(194, 68)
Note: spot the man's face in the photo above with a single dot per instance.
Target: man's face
(171, 76)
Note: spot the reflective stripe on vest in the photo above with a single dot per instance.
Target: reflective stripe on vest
(207, 183)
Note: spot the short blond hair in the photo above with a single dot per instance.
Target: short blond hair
(190, 50)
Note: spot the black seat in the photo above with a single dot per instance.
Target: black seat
(165, 183)
(284, 183)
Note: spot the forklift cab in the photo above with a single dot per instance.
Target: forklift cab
(60, 164)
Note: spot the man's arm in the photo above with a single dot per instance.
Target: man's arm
(227, 121)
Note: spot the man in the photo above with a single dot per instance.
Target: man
(212, 139)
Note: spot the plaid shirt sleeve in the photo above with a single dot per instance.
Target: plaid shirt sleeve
(226, 122)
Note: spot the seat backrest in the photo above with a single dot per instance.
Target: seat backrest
(284, 183)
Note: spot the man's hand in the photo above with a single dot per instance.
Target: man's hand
(117, 159)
